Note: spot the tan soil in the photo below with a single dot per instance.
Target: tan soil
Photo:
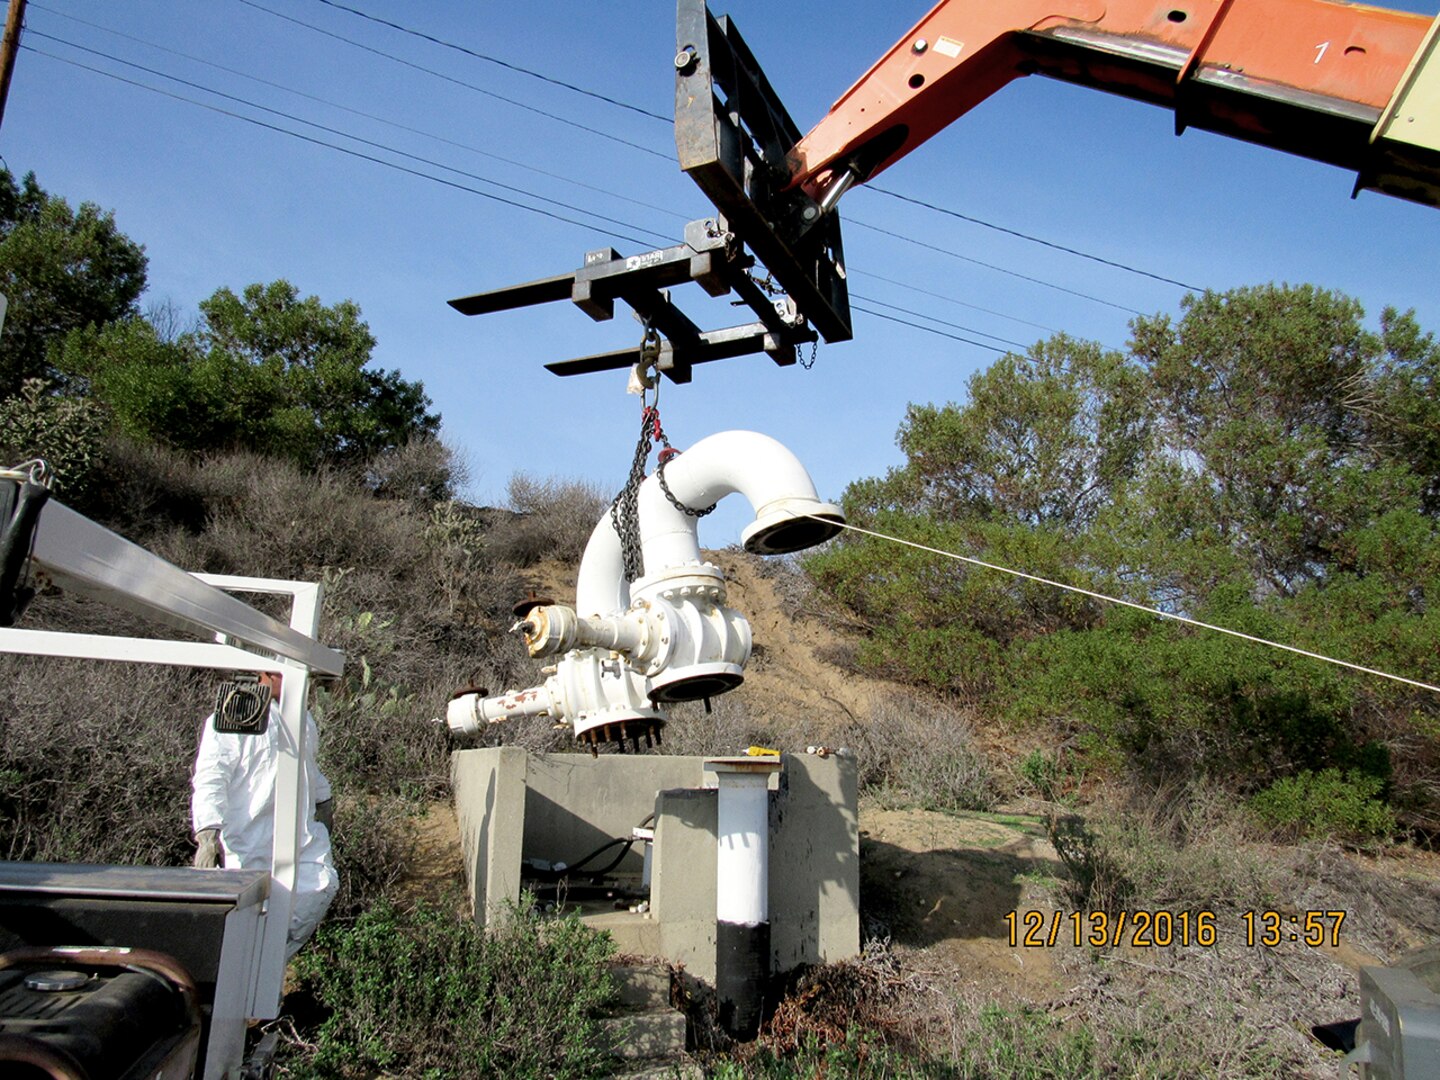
(940, 885)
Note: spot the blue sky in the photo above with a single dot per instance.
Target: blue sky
(218, 201)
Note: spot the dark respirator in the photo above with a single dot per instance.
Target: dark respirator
(242, 706)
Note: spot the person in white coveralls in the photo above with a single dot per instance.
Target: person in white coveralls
(232, 811)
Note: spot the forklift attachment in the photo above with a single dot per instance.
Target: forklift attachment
(732, 134)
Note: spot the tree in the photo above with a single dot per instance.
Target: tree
(61, 270)
(1019, 475)
(265, 371)
(295, 371)
(1264, 463)
(1265, 403)
(1045, 439)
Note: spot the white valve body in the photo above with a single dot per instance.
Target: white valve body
(590, 687)
(625, 650)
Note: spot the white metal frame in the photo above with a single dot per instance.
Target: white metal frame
(76, 553)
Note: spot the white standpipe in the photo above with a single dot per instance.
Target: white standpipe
(742, 891)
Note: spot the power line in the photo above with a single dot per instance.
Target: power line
(1157, 612)
(359, 112)
(347, 135)
(603, 134)
(496, 60)
(602, 97)
(1025, 236)
(444, 43)
(436, 164)
(528, 194)
(952, 300)
(418, 131)
(942, 322)
(452, 79)
(991, 266)
(929, 329)
(342, 149)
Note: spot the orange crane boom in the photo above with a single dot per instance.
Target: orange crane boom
(1354, 86)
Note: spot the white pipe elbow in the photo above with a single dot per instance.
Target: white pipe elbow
(789, 514)
(771, 478)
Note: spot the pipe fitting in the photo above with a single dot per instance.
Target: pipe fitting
(470, 714)
(770, 477)
(708, 644)
(591, 688)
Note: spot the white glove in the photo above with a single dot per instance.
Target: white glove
(207, 849)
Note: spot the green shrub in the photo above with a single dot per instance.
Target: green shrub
(429, 993)
(1330, 803)
(64, 431)
(1178, 847)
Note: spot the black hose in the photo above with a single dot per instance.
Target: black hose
(578, 864)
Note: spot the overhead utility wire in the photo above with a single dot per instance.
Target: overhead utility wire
(496, 60)
(627, 142)
(347, 135)
(483, 153)
(1127, 603)
(472, 175)
(928, 329)
(932, 318)
(522, 165)
(1024, 236)
(334, 146)
(952, 300)
(452, 79)
(358, 112)
(444, 43)
(992, 266)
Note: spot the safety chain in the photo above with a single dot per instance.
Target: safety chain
(769, 288)
(689, 511)
(625, 509)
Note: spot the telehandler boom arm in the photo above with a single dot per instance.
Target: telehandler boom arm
(1354, 86)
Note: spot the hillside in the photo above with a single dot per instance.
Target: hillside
(940, 969)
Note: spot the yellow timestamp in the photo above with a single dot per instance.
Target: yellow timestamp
(1314, 928)
(1163, 928)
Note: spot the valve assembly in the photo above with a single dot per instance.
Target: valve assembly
(627, 649)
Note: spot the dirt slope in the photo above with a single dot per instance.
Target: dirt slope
(941, 886)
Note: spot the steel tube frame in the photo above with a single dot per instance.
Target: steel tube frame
(132, 577)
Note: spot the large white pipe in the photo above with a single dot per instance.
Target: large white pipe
(771, 478)
(743, 834)
(742, 890)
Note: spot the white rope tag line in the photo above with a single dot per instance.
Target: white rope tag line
(1127, 603)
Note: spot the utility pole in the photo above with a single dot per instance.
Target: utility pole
(9, 46)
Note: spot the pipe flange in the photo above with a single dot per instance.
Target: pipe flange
(698, 582)
(787, 525)
(696, 681)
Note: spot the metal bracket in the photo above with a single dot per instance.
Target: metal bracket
(710, 256)
(732, 134)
